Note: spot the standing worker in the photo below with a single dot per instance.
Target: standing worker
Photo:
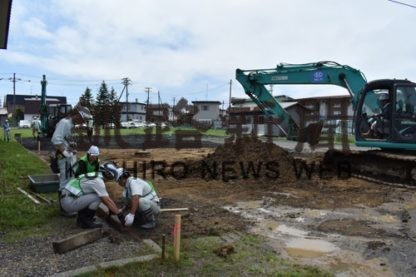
(6, 129)
(36, 127)
(142, 200)
(63, 142)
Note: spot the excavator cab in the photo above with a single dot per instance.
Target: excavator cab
(386, 113)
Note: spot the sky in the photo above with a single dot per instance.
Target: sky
(191, 49)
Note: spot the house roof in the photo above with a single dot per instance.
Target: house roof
(32, 106)
(324, 97)
(256, 109)
(20, 99)
(206, 102)
(5, 10)
(132, 103)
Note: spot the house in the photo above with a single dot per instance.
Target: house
(133, 111)
(23, 102)
(157, 112)
(250, 117)
(31, 106)
(331, 109)
(208, 112)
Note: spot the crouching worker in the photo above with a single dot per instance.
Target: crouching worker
(142, 200)
(84, 193)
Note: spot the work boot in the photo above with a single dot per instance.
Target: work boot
(149, 219)
(85, 219)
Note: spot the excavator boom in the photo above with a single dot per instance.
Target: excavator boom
(320, 73)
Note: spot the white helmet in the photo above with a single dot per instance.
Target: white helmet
(94, 151)
(111, 169)
(119, 173)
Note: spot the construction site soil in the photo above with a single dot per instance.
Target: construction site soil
(256, 187)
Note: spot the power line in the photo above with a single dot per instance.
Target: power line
(14, 80)
(402, 3)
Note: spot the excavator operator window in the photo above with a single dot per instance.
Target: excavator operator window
(404, 122)
(375, 117)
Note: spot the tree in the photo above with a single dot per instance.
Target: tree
(102, 108)
(115, 107)
(88, 98)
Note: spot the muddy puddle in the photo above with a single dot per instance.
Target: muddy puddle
(358, 241)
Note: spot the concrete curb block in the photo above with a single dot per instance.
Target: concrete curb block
(153, 245)
(106, 265)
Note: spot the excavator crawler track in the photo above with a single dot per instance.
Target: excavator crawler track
(389, 168)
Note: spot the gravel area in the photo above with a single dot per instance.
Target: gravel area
(35, 257)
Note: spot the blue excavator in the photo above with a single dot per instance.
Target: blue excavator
(384, 115)
(50, 114)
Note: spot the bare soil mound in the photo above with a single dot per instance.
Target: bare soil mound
(247, 158)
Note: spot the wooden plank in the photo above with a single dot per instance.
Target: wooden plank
(112, 220)
(173, 210)
(29, 196)
(76, 241)
(48, 201)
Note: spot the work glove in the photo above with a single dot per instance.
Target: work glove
(128, 220)
(67, 154)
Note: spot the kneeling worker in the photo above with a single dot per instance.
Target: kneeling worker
(143, 202)
(85, 192)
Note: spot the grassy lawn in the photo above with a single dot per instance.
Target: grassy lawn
(19, 216)
(251, 257)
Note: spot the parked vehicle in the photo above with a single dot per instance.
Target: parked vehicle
(127, 124)
(24, 124)
(109, 126)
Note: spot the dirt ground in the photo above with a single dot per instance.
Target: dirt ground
(348, 226)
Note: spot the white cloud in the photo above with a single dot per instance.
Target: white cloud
(171, 43)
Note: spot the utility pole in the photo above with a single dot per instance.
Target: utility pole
(126, 82)
(229, 99)
(229, 104)
(14, 80)
(173, 107)
(147, 89)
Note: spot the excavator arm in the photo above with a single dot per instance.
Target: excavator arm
(320, 73)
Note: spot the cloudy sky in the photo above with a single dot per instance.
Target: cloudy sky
(185, 48)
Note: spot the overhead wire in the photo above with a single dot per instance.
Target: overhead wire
(402, 3)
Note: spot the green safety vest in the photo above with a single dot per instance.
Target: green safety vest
(127, 196)
(73, 185)
(90, 167)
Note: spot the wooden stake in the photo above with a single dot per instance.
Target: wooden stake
(38, 146)
(173, 210)
(163, 246)
(177, 237)
(29, 196)
(48, 201)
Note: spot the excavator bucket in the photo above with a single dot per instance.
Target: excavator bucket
(311, 133)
